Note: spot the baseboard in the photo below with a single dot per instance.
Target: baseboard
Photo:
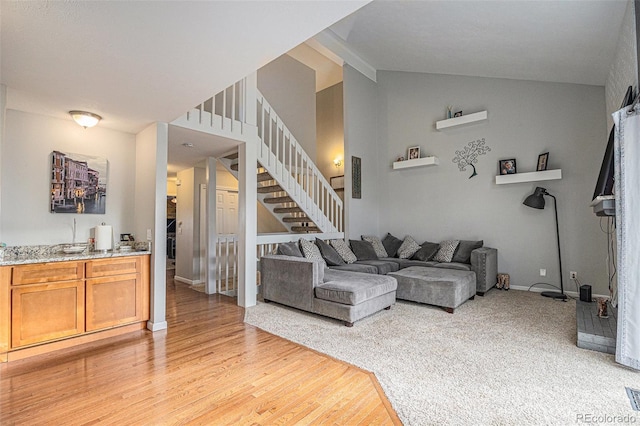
(187, 281)
(156, 326)
(540, 290)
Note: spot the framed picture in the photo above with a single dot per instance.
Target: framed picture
(78, 183)
(126, 237)
(337, 182)
(507, 167)
(413, 153)
(542, 162)
(356, 178)
(458, 114)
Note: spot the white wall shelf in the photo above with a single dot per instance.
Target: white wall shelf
(459, 121)
(418, 162)
(529, 177)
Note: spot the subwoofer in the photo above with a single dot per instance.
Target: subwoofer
(585, 293)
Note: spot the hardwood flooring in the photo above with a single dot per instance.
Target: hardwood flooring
(207, 368)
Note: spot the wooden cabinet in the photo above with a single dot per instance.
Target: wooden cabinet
(45, 312)
(47, 302)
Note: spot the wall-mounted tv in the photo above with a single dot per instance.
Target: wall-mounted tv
(604, 186)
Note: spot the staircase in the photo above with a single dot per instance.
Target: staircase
(290, 185)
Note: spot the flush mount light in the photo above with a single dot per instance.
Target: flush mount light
(85, 119)
(188, 145)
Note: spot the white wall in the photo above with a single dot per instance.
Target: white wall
(624, 69)
(290, 88)
(330, 130)
(525, 119)
(26, 175)
(362, 140)
(3, 104)
(188, 224)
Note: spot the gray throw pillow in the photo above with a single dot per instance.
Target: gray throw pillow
(311, 251)
(377, 245)
(343, 250)
(391, 245)
(446, 251)
(427, 251)
(463, 252)
(329, 254)
(363, 250)
(289, 249)
(408, 248)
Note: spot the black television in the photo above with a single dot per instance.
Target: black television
(604, 186)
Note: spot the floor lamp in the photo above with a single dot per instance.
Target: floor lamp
(536, 201)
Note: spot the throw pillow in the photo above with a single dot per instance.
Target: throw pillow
(311, 251)
(408, 248)
(329, 254)
(289, 249)
(447, 249)
(463, 252)
(427, 251)
(391, 245)
(377, 245)
(363, 250)
(343, 250)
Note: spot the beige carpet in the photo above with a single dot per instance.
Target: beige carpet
(509, 358)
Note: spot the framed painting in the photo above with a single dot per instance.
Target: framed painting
(78, 183)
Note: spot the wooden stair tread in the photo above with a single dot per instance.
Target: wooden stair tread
(288, 210)
(301, 219)
(269, 188)
(278, 200)
(262, 177)
(305, 229)
(232, 156)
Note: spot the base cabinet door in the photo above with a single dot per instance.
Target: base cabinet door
(46, 312)
(113, 301)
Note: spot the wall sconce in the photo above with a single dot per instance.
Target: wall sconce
(337, 162)
(85, 119)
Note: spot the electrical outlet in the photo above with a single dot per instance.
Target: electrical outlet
(543, 272)
(573, 275)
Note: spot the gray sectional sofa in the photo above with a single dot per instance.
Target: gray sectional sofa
(319, 281)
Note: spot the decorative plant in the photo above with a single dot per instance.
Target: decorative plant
(469, 155)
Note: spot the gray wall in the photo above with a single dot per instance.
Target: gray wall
(330, 130)
(361, 140)
(290, 88)
(435, 203)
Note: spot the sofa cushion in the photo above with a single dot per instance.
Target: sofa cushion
(391, 245)
(356, 267)
(352, 288)
(377, 245)
(405, 263)
(427, 251)
(289, 249)
(329, 254)
(311, 251)
(453, 265)
(408, 248)
(383, 267)
(446, 251)
(343, 250)
(363, 250)
(463, 252)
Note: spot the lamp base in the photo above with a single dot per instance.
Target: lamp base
(554, 295)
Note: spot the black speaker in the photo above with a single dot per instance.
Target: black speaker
(585, 293)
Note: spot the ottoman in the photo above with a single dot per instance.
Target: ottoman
(446, 288)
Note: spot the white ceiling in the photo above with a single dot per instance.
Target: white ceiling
(560, 41)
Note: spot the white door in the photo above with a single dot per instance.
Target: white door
(227, 212)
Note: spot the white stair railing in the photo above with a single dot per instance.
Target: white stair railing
(287, 162)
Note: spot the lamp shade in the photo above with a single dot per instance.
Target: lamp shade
(536, 200)
(85, 119)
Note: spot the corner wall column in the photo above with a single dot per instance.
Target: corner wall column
(247, 223)
(211, 231)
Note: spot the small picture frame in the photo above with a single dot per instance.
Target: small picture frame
(126, 237)
(413, 153)
(457, 114)
(543, 159)
(507, 167)
(337, 182)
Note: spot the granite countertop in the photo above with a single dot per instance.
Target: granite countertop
(9, 260)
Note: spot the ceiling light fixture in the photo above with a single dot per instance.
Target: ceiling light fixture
(84, 118)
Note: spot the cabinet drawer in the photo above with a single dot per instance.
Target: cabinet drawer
(114, 266)
(47, 272)
(45, 312)
(113, 301)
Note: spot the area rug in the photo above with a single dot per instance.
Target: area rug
(504, 359)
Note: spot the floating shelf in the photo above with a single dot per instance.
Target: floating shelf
(459, 121)
(529, 177)
(418, 162)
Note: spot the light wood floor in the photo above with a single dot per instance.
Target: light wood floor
(207, 368)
